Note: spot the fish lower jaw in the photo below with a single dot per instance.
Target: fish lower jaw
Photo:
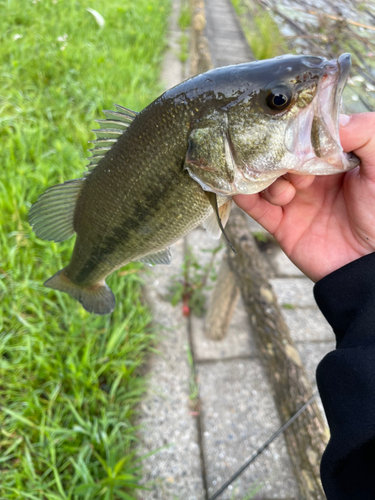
(335, 164)
(252, 186)
(251, 182)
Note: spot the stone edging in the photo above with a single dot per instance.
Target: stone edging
(200, 57)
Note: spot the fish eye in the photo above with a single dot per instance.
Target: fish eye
(278, 99)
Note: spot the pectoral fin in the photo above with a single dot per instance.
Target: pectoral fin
(211, 224)
(224, 210)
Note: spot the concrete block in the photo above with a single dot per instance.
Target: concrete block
(221, 19)
(239, 415)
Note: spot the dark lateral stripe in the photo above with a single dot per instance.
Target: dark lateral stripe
(141, 213)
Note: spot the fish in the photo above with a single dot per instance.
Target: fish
(156, 175)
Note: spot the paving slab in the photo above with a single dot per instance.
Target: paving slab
(165, 417)
(237, 343)
(294, 291)
(307, 325)
(175, 471)
(223, 32)
(203, 245)
(311, 354)
(239, 415)
(284, 266)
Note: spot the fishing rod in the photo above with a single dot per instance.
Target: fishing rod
(264, 446)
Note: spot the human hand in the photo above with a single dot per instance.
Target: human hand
(324, 222)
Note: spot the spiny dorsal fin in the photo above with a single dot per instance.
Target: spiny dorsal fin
(115, 124)
(126, 111)
(162, 257)
(51, 216)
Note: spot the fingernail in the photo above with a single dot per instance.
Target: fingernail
(344, 120)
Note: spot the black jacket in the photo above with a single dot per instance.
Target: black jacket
(346, 381)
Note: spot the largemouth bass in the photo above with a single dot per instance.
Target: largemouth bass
(154, 175)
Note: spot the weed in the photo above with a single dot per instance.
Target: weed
(184, 48)
(190, 287)
(193, 385)
(237, 6)
(288, 306)
(266, 40)
(260, 29)
(261, 237)
(184, 20)
(250, 493)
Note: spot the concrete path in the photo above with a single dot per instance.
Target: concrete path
(225, 37)
(167, 421)
(204, 444)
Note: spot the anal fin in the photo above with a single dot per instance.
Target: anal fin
(161, 257)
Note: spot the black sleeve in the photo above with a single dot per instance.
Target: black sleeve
(346, 381)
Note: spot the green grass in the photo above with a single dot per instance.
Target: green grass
(260, 29)
(68, 380)
(184, 23)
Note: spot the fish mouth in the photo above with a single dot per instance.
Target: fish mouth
(318, 141)
(325, 127)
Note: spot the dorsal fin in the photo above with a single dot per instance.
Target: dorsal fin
(115, 124)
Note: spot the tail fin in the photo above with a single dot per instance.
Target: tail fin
(98, 299)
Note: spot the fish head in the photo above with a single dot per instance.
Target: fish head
(285, 119)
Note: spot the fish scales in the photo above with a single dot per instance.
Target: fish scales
(133, 195)
(230, 130)
(128, 201)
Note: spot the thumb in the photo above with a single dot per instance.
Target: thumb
(357, 134)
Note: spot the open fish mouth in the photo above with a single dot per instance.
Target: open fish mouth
(314, 136)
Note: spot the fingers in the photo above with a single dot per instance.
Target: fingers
(300, 181)
(358, 134)
(280, 192)
(265, 207)
(268, 215)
